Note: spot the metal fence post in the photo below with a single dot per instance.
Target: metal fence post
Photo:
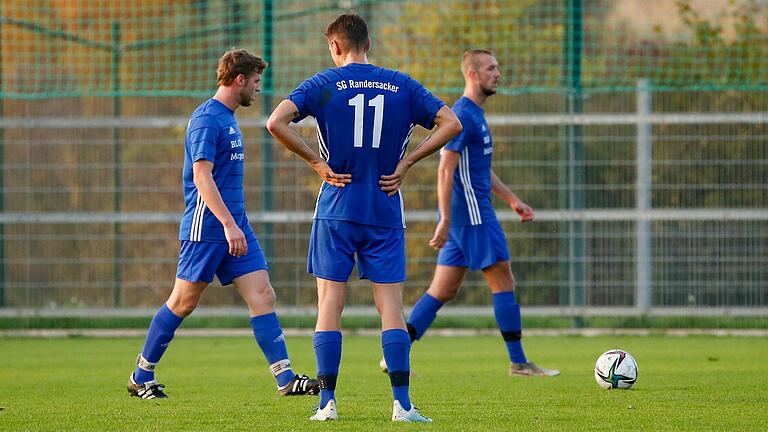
(266, 148)
(572, 155)
(116, 149)
(643, 184)
(2, 176)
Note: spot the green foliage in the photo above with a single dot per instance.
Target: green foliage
(94, 48)
(730, 49)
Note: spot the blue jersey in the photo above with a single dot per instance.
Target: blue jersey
(213, 135)
(365, 115)
(471, 202)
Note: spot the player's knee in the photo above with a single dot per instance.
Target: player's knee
(268, 298)
(335, 305)
(444, 293)
(501, 281)
(450, 294)
(339, 306)
(183, 306)
(389, 309)
(262, 295)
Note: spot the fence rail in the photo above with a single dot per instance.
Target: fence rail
(673, 214)
(756, 214)
(496, 120)
(370, 311)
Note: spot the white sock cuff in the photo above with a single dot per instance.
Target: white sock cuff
(145, 364)
(280, 366)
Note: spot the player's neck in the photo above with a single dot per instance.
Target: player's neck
(228, 97)
(354, 57)
(475, 95)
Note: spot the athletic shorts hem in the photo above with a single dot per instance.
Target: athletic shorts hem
(493, 264)
(452, 265)
(243, 274)
(388, 282)
(332, 279)
(189, 279)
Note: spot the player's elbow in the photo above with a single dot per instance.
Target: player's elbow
(271, 124)
(454, 126)
(447, 121)
(445, 172)
(197, 179)
(274, 125)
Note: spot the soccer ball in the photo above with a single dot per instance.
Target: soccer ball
(615, 369)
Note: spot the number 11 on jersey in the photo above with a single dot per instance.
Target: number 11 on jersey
(378, 118)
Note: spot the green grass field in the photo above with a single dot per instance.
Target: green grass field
(690, 383)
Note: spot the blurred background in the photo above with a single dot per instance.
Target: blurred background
(637, 130)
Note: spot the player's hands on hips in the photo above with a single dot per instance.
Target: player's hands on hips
(330, 177)
(523, 210)
(238, 246)
(391, 183)
(441, 235)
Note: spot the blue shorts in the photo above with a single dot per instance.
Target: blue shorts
(200, 261)
(474, 246)
(334, 244)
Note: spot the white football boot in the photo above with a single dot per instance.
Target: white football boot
(530, 369)
(327, 413)
(413, 416)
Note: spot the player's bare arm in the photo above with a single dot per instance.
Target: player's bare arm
(202, 172)
(521, 208)
(449, 160)
(448, 126)
(279, 126)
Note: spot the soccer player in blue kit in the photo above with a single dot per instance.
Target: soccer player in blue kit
(365, 116)
(468, 234)
(215, 235)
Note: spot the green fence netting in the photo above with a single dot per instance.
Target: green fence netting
(70, 48)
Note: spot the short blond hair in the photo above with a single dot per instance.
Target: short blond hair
(470, 60)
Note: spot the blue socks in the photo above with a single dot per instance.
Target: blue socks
(505, 308)
(422, 315)
(328, 354)
(266, 329)
(396, 345)
(270, 338)
(507, 313)
(159, 335)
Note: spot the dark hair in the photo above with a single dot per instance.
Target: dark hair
(236, 62)
(351, 28)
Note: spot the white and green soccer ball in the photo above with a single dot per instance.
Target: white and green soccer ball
(615, 369)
